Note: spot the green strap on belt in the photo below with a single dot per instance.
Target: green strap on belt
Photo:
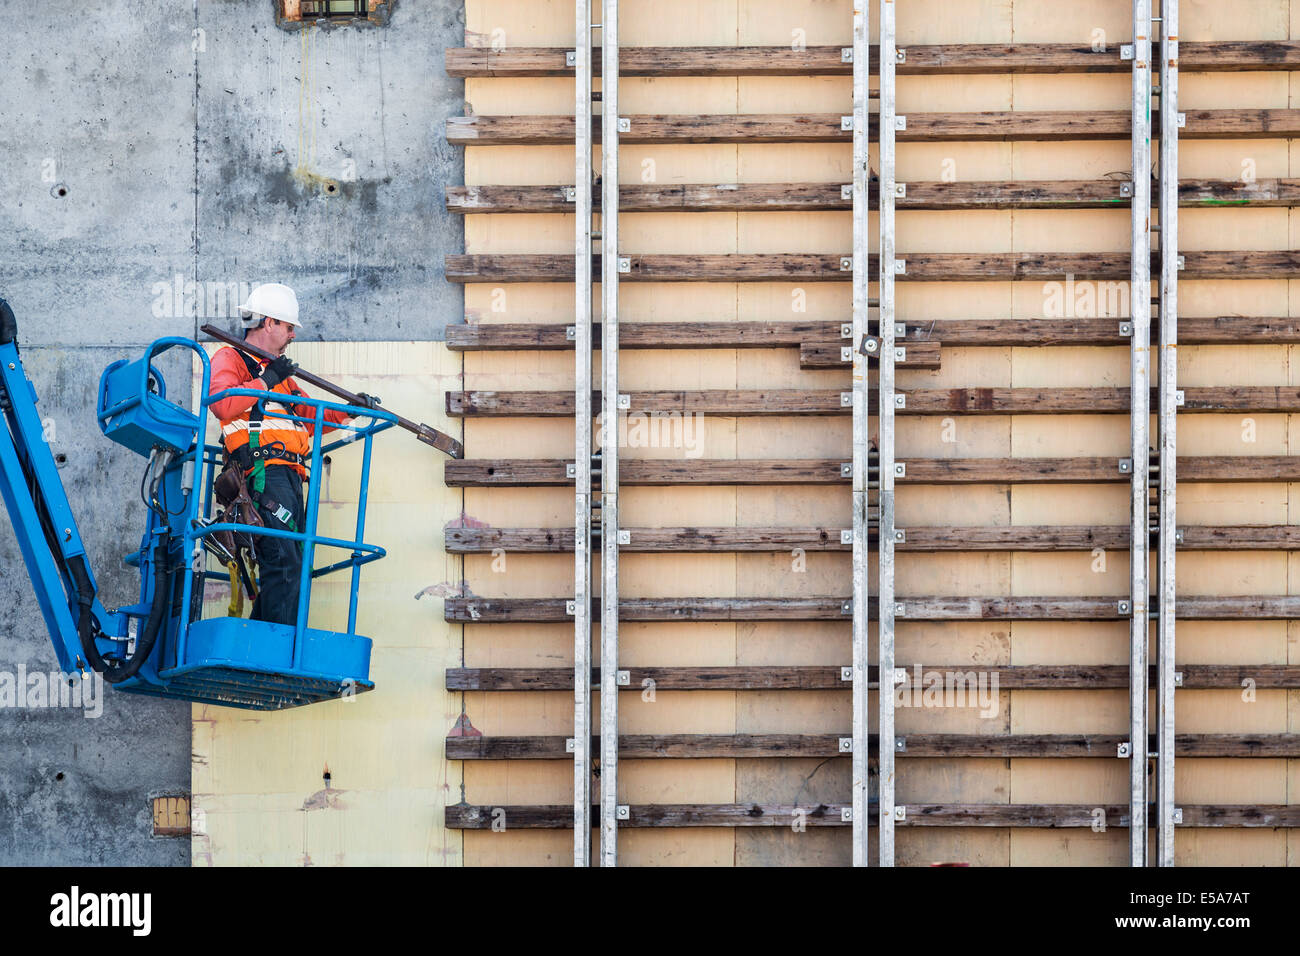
(259, 467)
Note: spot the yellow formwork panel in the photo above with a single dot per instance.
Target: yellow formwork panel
(259, 778)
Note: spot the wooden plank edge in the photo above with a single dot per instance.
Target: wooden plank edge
(919, 746)
(504, 817)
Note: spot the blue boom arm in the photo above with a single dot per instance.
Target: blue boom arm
(84, 633)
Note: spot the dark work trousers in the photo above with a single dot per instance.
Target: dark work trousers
(279, 559)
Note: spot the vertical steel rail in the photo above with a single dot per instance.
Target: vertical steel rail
(1168, 370)
(609, 271)
(889, 267)
(861, 430)
(1140, 385)
(582, 439)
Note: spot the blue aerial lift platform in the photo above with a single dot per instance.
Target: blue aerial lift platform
(162, 645)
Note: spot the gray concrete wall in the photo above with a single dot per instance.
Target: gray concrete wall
(160, 158)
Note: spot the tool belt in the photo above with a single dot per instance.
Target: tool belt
(248, 456)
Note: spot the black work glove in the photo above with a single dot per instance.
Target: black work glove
(277, 371)
(369, 401)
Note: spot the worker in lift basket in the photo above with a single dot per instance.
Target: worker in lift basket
(272, 450)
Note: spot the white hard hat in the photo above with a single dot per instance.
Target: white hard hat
(274, 300)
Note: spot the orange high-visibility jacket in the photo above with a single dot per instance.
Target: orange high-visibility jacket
(229, 370)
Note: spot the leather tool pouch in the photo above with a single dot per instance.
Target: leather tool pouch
(237, 507)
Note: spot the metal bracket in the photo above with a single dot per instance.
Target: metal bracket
(846, 673)
(571, 745)
(625, 401)
(570, 607)
(900, 190)
(900, 329)
(900, 814)
(846, 353)
(900, 535)
(571, 332)
(1178, 678)
(846, 814)
(570, 193)
(1126, 466)
(900, 610)
(570, 471)
(900, 675)
(846, 536)
(846, 263)
(570, 57)
(900, 267)
(1180, 398)
(624, 678)
(870, 345)
(624, 264)
(846, 607)
(900, 354)
(900, 56)
(846, 330)
(846, 191)
(900, 123)
(900, 745)
(846, 469)
(624, 124)
(846, 745)
(846, 54)
(623, 812)
(1126, 329)
(1178, 814)
(900, 401)
(1126, 51)
(1126, 190)
(1124, 607)
(1178, 537)
(900, 469)
(846, 124)
(1182, 263)
(1182, 120)
(846, 399)
(1124, 750)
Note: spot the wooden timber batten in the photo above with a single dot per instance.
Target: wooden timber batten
(821, 197)
(918, 60)
(987, 126)
(921, 267)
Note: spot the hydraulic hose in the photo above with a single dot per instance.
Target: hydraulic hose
(162, 593)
